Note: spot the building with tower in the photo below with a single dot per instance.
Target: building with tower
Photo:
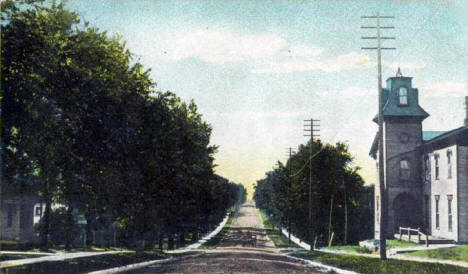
(426, 172)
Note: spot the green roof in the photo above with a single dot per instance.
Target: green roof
(390, 100)
(448, 134)
(429, 135)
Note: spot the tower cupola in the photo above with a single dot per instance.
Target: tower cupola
(401, 100)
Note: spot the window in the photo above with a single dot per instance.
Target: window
(427, 168)
(437, 217)
(403, 95)
(449, 164)
(377, 207)
(427, 208)
(404, 169)
(23, 216)
(38, 211)
(449, 207)
(436, 159)
(10, 212)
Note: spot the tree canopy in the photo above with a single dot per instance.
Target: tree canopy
(84, 126)
(340, 203)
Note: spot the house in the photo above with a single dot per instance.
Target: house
(426, 172)
(19, 215)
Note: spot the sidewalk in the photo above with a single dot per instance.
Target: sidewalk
(66, 256)
(190, 248)
(394, 253)
(398, 250)
(56, 257)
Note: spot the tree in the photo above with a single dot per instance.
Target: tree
(340, 199)
(85, 127)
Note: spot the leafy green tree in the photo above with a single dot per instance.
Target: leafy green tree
(341, 204)
(84, 127)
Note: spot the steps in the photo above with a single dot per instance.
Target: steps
(431, 239)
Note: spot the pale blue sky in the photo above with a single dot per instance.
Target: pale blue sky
(257, 69)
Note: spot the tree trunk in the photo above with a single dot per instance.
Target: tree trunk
(181, 239)
(45, 228)
(195, 236)
(160, 241)
(88, 231)
(330, 218)
(170, 242)
(69, 228)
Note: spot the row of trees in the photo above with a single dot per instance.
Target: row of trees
(341, 205)
(84, 126)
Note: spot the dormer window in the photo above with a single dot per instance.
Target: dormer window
(403, 96)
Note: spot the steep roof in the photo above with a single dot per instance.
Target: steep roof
(390, 100)
(375, 146)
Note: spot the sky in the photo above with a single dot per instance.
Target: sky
(257, 69)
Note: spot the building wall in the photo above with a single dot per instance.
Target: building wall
(377, 196)
(463, 194)
(20, 227)
(442, 187)
(401, 138)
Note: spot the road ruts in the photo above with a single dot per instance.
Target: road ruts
(230, 257)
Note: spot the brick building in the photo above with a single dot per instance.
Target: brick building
(426, 172)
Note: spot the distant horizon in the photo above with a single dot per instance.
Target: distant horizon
(257, 69)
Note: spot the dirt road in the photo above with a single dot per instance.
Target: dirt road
(245, 249)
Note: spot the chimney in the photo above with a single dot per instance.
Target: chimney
(466, 108)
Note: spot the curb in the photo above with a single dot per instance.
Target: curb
(181, 250)
(320, 265)
(139, 265)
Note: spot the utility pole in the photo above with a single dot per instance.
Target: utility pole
(290, 153)
(309, 130)
(382, 186)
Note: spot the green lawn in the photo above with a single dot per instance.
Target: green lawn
(87, 264)
(350, 248)
(397, 243)
(358, 249)
(18, 246)
(218, 237)
(274, 234)
(363, 264)
(456, 253)
(33, 247)
(7, 257)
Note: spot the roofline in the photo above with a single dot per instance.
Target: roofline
(393, 77)
(446, 134)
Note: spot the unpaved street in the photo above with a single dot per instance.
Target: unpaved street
(245, 249)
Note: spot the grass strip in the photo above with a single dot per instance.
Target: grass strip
(358, 249)
(274, 233)
(363, 264)
(85, 264)
(214, 241)
(456, 253)
(8, 257)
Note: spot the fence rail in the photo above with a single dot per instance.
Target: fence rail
(417, 231)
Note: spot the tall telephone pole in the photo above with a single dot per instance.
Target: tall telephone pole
(290, 153)
(382, 186)
(309, 130)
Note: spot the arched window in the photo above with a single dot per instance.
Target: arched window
(404, 169)
(403, 96)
